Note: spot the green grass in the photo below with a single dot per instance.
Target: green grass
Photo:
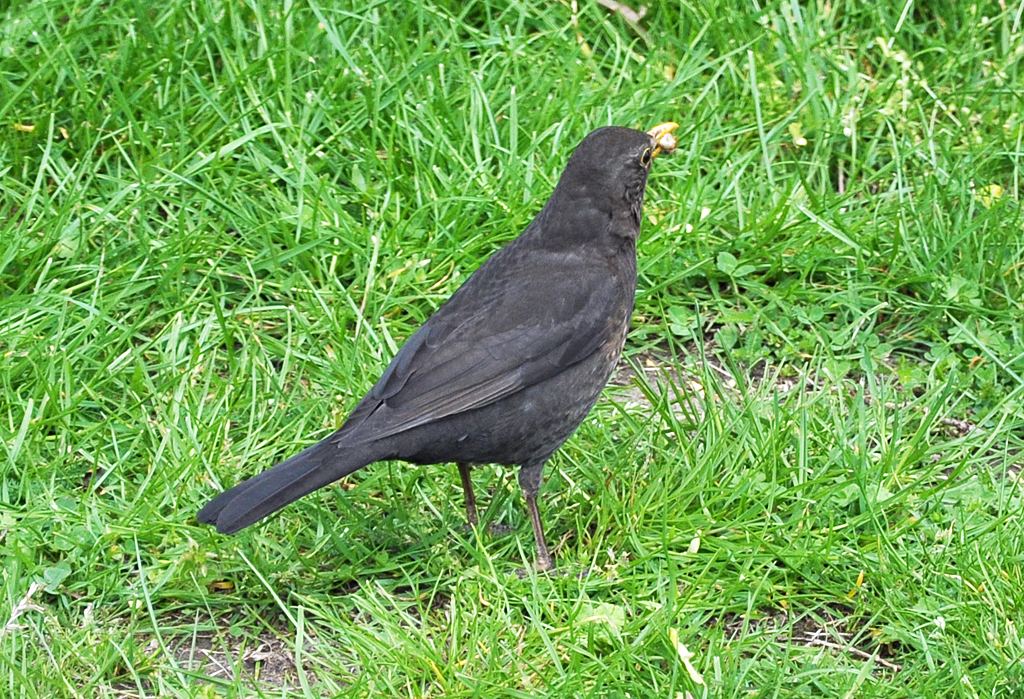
(218, 221)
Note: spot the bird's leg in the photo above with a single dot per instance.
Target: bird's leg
(467, 488)
(493, 528)
(529, 481)
(544, 561)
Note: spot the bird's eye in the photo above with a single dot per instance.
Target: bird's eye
(645, 157)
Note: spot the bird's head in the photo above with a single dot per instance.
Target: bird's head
(602, 187)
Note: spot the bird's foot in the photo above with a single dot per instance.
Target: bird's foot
(544, 565)
(553, 572)
(493, 528)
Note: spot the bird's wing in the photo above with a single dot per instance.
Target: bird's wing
(502, 331)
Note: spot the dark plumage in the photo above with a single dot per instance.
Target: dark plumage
(507, 369)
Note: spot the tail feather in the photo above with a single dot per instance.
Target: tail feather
(262, 495)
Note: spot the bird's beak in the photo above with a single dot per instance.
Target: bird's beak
(663, 138)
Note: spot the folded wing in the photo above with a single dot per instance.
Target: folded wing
(463, 360)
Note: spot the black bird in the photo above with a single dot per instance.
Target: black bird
(506, 369)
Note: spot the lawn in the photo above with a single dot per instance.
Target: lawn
(219, 221)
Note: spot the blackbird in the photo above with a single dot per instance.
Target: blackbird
(506, 369)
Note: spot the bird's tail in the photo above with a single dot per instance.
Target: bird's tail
(262, 495)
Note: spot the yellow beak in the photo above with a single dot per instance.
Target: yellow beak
(663, 138)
